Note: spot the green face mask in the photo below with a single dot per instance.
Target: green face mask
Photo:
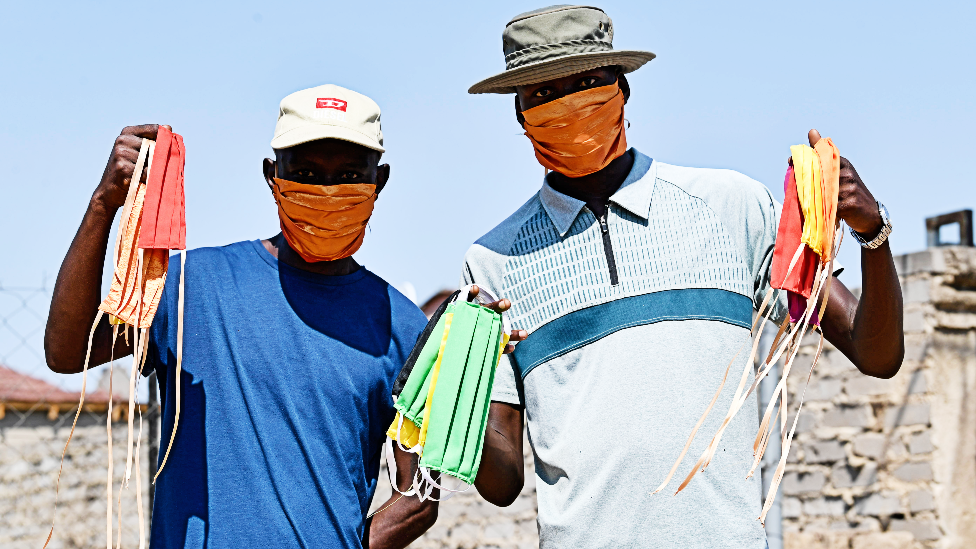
(443, 393)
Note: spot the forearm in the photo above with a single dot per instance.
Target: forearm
(501, 474)
(877, 330)
(869, 330)
(401, 520)
(77, 293)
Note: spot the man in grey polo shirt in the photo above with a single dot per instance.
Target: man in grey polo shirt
(636, 282)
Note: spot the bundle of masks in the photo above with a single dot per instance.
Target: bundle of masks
(807, 242)
(443, 392)
(152, 223)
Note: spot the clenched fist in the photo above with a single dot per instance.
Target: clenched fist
(114, 185)
(855, 203)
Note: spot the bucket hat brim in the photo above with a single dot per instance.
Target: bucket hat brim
(533, 73)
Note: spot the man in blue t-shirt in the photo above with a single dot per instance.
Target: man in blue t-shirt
(290, 348)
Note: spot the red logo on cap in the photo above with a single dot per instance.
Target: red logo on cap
(330, 103)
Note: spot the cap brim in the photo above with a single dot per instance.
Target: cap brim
(533, 73)
(314, 132)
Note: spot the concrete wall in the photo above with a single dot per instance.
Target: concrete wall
(30, 451)
(892, 463)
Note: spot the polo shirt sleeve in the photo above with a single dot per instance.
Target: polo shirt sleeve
(766, 212)
(505, 388)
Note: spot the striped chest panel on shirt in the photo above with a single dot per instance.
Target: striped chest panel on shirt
(681, 246)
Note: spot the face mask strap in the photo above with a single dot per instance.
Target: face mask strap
(431, 484)
(391, 467)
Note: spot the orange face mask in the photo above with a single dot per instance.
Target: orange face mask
(324, 222)
(580, 133)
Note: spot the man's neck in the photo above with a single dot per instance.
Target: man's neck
(278, 247)
(597, 188)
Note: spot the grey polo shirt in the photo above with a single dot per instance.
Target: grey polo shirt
(630, 328)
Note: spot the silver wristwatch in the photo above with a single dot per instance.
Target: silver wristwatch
(882, 236)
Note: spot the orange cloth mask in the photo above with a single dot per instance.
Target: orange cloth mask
(324, 222)
(580, 133)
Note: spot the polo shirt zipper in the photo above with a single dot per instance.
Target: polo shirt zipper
(608, 247)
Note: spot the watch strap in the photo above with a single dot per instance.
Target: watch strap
(882, 235)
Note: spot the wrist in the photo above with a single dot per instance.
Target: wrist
(871, 224)
(876, 236)
(100, 203)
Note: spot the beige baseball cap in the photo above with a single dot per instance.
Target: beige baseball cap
(328, 112)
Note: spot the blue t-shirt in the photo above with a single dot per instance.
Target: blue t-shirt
(286, 386)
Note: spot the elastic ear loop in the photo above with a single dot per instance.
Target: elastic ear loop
(701, 421)
(144, 153)
(179, 361)
(431, 484)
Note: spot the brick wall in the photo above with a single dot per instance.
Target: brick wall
(892, 463)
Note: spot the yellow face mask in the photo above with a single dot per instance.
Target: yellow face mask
(817, 180)
(324, 222)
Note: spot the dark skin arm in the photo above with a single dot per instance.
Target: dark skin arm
(868, 331)
(501, 474)
(502, 471)
(401, 520)
(78, 292)
(78, 289)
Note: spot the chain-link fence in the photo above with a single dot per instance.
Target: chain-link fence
(37, 408)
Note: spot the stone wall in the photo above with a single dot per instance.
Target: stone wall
(892, 463)
(30, 451)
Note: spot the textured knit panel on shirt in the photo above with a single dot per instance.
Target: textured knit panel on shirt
(683, 244)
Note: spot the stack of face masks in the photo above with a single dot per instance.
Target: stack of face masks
(152, 223)
(443, 392)
(802, 265)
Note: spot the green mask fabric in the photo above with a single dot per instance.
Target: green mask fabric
(443, 393)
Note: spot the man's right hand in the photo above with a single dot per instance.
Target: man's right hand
(114, 186)
(77, 291)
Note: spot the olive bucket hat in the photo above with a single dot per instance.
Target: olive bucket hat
(555, 42)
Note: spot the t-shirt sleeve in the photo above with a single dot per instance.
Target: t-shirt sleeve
(505, 388)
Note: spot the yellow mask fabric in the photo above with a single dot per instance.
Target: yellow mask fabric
(324, 222)
(806, 169)
(580, 133)
(123, 299)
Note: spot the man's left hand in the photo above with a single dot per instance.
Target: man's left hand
(500, 307)
(855, 203)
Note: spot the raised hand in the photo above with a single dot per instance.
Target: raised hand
(114, 185)
(855, 203)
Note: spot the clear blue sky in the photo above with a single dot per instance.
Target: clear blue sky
(734, 85)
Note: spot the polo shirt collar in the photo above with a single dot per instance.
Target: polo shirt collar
(634, 195)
